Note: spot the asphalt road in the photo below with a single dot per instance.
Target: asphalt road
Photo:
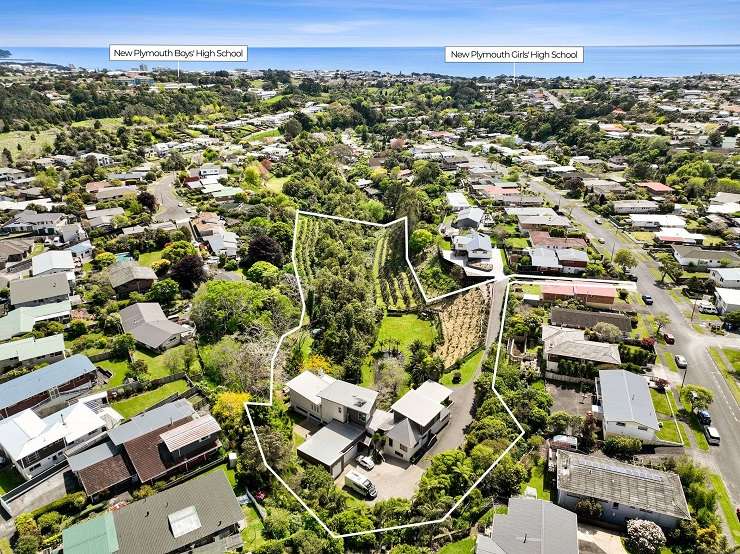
(169, 209)
(691, 344)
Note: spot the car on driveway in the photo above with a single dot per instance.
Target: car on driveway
(706, 308)
(647, 299)
(681, 361)
(630, 276)
(704, 417)
(365, 462)
(669, 338)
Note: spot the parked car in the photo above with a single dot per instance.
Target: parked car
(669, 338)
(180, 204)
(706, 307)
(681, 361)
(597, 221)
(712, 435)
(365, 462)
(602, 240)
(630, 276)
(647, 299)
(704, 417)
(360, 484)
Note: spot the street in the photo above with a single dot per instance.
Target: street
(691, 344)
(164, 191)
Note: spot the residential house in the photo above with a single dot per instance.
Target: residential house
(103, 218)
(531, 526)
(543, 222)
(561, 260)
(579, 319)
(152, 446)
(655, 221)
(457, 201)
(54, 383)
(112, 193)
(200, 515)
(589, 293)
(38, 223)
(562, 343)
(625, 491)
(35, 291)
(54, 261)
(22, 320)
(148, 324)
(71, 233)
(726, 277)
(82, 250)
(625, 405)
(654, 188)
(468, 218)
(13, 251)
(33, 444)
(475, 246)
(31, 351)
(127, 277)
(700, 257)
(728, 300)
(635, 207)
(104, 160)
(542, 239)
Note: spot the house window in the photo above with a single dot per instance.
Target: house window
(339, 409)
(390, 442)
(615, 505)
(621, 424)
(403, 448)
(642, 428)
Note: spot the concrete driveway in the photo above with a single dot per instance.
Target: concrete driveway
(392, 478)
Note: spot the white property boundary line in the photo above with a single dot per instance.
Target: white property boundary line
(510, 280)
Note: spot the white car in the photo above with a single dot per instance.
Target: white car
(180, 204)
(706, 308)
(365, 462)
(681, 361)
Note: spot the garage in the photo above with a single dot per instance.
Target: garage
(333, 446)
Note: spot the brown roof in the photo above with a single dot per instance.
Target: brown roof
(543, 238)
(582, 320)
(104, 474)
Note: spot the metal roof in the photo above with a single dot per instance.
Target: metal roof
(611, 481)
(38, 288)
(190, 432)
(532, 526)
(31, 347)
(149, 421)
(94, 536)
(21, 320)
(330, 442)
(124, 272)
(46, 378)
(92, 456)
(351, 396)
(626, 397)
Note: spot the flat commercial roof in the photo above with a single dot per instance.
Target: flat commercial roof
(329, 443)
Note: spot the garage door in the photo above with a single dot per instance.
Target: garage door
(350, 454)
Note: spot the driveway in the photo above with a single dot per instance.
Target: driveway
(164, 191)
(392, 479)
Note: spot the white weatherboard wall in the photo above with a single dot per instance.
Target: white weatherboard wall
(331, 410)
(629, 428)
(303, 405)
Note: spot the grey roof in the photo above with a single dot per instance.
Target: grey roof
(418, 407)
(571, 255)
(41, 380)
(148, 324)
(404, 433)
(151, 420)
(626, 396)
(532, 526)
(38, 288)
(473, 241)
(330, 442)
(544, 257)
(144, 526)
(92, 456)
(580, 319)
(611, 481)
(124, 272)
(351, 396)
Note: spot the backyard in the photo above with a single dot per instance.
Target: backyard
(467, 369)
(148, 258)
(137, 404)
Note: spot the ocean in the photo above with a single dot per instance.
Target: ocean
(599, 61)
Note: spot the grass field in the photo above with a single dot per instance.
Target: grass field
(730, 377)
(275, 184)
(406, 329)
(117, 368)
(733, 354)
(252, 532)
(259, 135)
(148, 258)
(696, 429)
(669, 361)
(661, 403)
(537, 480)
(465, 546)
(106, 123)
(467, 369)
(29, 148)
(710, 240)
(137, 404)
(726, 506)
(516, 242)
(669, 431)
(9, 479)
(157, 369)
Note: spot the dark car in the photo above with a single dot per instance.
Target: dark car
(669, 338)
(704, 417)
(630, 276)
(647, 299)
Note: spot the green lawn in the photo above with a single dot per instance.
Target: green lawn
(669, 431)
(157, 369)
(106, 123)
(730, 378)
(263, 134)
(695, 426)
(275, 184)
(643, 236)
(406, 329)
(537, 480)
(148, 258)
(467, 369)
(516, 242)
(733, 355)
(710, 240)
(30, 148)
(117, 368)
(9, 479)
(252, 532)
(661, 403)
(465, 546)
(531, 289)
(728, 509)
(137, 404)
(669, 361)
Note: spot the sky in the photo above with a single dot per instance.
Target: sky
(291, 23)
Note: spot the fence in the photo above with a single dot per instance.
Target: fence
(551, 375)
(128, 389)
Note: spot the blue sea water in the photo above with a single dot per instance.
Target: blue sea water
(600, 61)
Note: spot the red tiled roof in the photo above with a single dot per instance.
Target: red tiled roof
(579, 289)
(104, 474)
(654, 186)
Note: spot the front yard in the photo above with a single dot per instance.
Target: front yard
(137, 404)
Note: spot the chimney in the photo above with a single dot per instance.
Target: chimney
(525, 537)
